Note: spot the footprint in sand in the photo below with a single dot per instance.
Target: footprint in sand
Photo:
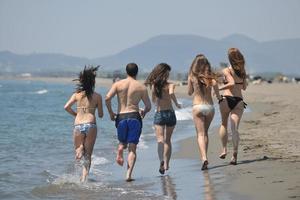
(277, 181)
(293, 197)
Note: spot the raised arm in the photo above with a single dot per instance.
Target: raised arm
(111, 93)
(172, 95)
(68, 106)
(190, 86)
(99, 106)
(147, 103)
(229, 78)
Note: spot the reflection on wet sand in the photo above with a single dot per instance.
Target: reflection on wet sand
(168, 187)
(209, 193)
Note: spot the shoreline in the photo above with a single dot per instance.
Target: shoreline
(269, 150)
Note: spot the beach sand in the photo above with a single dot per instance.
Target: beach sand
(269, 154)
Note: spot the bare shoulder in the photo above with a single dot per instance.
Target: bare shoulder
(76, 95)
(139, 85)
(172, 85)
(97, 95)
(226, 70)
(119, 83)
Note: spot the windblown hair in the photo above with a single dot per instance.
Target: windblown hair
(158, 78)
(86, 80)
(201, 70)
(237, 62)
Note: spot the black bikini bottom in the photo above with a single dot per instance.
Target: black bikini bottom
(233, 101)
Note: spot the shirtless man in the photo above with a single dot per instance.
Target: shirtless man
(128, 121)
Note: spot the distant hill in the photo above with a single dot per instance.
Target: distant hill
(180, 50)
(40, 62)
(177, 50)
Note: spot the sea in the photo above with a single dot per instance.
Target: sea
(37, 154)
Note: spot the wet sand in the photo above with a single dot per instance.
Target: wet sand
(269, 155)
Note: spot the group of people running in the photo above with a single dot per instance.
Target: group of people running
(128, 119)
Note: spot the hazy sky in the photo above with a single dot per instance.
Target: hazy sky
(95, 28)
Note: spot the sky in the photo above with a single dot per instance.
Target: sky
(97, 28)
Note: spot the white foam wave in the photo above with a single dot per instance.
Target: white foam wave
(99, 160)
(184, 114)
(41, 91)
(66, 178)
(142, 143)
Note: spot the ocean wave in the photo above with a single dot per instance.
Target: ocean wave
(99, 160)
(142, 143)
(41, 91)
(184, 114)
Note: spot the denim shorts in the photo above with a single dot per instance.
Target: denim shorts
(165, 118)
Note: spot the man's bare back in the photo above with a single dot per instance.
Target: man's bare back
(130, 92)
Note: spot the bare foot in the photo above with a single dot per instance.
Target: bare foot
(119, 158)
(129, 179)
(79, 152)
(83, 179)
(223, 155)
(204, 165)
(234, 159)
(162, 168)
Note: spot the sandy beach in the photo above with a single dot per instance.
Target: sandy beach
(269, 154)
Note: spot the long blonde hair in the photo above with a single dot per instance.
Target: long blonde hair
(237, 62)
(201, 70)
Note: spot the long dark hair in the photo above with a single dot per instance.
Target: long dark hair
(237, 62)
(158, 78)
(86, 80)
(201, 70)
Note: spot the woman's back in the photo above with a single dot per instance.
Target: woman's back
(86, 108)
(238, 83)
(164, 103)
(200, 96)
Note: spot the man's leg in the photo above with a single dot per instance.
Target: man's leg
(120, 159)
(130, 160)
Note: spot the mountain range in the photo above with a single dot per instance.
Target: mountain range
(177, 50)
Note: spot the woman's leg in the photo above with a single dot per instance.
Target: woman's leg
(235, 118)
(199, 121)
(168, 146)
(78, 138)
(208, 119)
(159, 131)
(88, 150)
(224, 110)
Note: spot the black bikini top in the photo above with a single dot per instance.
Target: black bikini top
(225, 82)
(236, 83)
